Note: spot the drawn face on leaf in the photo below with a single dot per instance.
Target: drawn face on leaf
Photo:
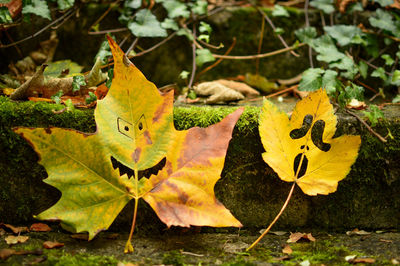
(302, 149)
(128, 123)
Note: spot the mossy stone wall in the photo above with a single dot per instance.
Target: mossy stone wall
(367, 198)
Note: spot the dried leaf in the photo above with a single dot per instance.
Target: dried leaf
(287, 250)
(134, 136)
(356, 104)
(218, 93)
(278, 233)
(241, 87)
(6, 253)
(80, 236)
(51, 244)
(11, 240)
(303, 149)
(40, 227)
(294, 237)
(385, 240)
(261, 83)
(286, 257)
(16, 229)
(356, 231)
(362, 260)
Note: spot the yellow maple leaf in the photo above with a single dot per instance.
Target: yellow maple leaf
(307, 140)
(302, 149)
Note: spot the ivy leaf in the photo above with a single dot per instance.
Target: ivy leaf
(77, 82)
(146, 25)
(135, 132)
(200, 7)
(57, 97)
(65, 4)
(363, 67)
(384, 3)
(5, 16)
(184, 74)
(175, 8)
(170, 24)
(133, 4)
(104, 52)
(203, 56)
(396, 75)
(379, 73)
(280, 11)
(384, 21)
(330, 81)
(326, 6)
(306, 35)
(350, 92)
(303, 149)
(205, 27)
(343, 34)
(37, 7)
(311, 79)
(374, 114)
(388, 59)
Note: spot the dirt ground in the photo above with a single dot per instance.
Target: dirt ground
(205, 247)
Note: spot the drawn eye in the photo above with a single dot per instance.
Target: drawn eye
(316, 136)
(302, 131)
(125, 128)
(140, 126)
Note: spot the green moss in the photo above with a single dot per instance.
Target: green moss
(173, 257)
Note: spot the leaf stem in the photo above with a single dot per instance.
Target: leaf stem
(128, 246)
(276, 218)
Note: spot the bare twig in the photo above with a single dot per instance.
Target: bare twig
(194, 58)
(40, 31)
(107, 31)
(208, 45)
(260, 45)
(290, 3)
(132, 46)
(281, 92)
(103, 15)
(247, 57)
(367, 126)
(375, 67)
(219, 60)
(64, 20)
(271, 24)
(155, 46)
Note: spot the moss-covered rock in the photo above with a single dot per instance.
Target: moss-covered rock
(367, 198)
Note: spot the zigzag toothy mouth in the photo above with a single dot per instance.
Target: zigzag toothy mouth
(123, 169)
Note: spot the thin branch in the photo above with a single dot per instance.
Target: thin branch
(271, 24)
(219, 60)
(40, 31)
(367, 126)
(155, 46)
(290, 3)
(64, 20)
(247, 57)
(132, 46)
(208, 45)
(103, 15)
(375, 67)
(107, 31)
(194, 58)
(260, 45)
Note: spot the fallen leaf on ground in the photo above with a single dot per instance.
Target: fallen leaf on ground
(15, 229)
(287, 250)
(241, 87)
(37, 260)
(260, 82)
(83, 236)
(362, 260)
(12, 240)
(294, 237)
(40, 227)
(51, 244)
(278, 233)
(385, 240)
(286, 257)
(6, 253)
(395, 262)
(101, 91)
(356, 105)
(357, 232)
(350, 257)
(217, 92)
(305, 263)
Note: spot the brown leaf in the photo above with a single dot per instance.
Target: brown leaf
(362, 260)
(385, 240)
(80, 236)
(101, 91)
(51, 244)
(277, 233)
(357, 232)
(294, 237)
(16, 229)
(241, 87)
(286, 257)
(40, 227)
(6, 253)
(356, 104)
(287, 250)
(11, 240)
(217, 92)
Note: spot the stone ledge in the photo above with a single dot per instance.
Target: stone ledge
(367, 198)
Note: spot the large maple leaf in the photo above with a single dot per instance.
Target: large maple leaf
(302, 149)
(98, 174)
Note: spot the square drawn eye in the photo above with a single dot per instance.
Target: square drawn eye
(125, 128)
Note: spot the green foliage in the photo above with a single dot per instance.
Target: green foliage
(344, 34)
(92, 97)
(104, 52)
(78, 81)
(374, 114)
(384, 21)
(57, 97)
(65, 4)
(5, 16)
(326, 6)
(146, 25)
(175, 8)
(37, 7)
(316, 78)
(184, 74)
(110, 75)
(203, 56)
(280, 11)
(58, 68)
(350, 92)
